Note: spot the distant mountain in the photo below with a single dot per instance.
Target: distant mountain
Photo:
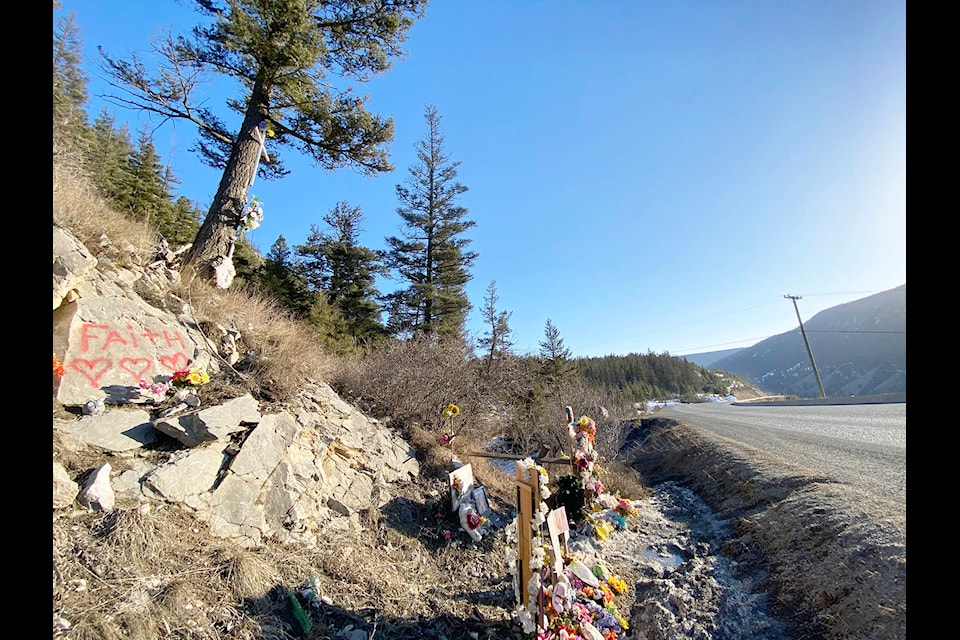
(859, 347)
(707, 358)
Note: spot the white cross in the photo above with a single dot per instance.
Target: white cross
(259, 135)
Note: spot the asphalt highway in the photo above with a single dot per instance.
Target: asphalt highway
(862, 446)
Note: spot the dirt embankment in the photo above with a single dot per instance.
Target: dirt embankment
(835, 565)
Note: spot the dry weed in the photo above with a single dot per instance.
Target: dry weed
(105, 232)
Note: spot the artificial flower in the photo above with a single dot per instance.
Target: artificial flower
(265, 127)
(451, 411)
(607, 593)
(625, 508)
(58, 369)
(189, 378)
(252, 215)
(618, 585)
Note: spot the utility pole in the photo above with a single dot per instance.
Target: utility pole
(807, 342)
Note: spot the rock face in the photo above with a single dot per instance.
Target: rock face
(291, 476)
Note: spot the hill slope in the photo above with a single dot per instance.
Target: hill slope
(859, 349)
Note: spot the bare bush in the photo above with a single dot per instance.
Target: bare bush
(414, 380)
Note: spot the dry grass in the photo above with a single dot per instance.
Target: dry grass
(140, 574)
(106, 233)
(286, 352)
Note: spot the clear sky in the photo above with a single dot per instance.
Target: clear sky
(650, 176)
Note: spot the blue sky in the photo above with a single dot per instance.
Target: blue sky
(650, 176)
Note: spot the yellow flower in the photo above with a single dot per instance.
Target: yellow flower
(451, 411)
(617, 584)
(602, 529)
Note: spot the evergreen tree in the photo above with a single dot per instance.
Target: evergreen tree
(431, 255)
(279, 277)
(109, 155)
(147, 199)
(69, 81)
(282, 52)
(180, 222)
(556, 367)
(497, 341)
(346, 271)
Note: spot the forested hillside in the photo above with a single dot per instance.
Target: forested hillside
(641, 377)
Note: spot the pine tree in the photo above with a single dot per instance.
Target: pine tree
(279, 277)
(283, 53)
(345, 270)
(497, 342)
(69, 81)
(431, 255)
(556, 367)
(147, 199)
(109, 156)
(180, 222)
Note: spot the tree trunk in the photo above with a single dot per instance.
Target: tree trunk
(220, 228)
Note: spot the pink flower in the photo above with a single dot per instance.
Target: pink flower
(446, 534)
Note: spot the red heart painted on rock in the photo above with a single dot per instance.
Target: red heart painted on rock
(137, 367)
(92, 370)
(173, 362)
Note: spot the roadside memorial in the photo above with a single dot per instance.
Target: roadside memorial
(561, 593)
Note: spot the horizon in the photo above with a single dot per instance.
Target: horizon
(649, 178)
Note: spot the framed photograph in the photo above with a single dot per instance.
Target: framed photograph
(480, 500)
(461, 485)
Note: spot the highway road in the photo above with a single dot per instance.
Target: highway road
(863, 446)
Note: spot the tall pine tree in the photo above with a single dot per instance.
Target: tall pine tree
(69, 82)
(285, 56)
(431, 256)
(279, 277)
(336, 263)
(556, 368)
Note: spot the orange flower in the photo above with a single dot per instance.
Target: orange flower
(58, 369)
(607, 594)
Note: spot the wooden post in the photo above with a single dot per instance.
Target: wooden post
(528, 501)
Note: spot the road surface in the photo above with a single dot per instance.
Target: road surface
(863, 446)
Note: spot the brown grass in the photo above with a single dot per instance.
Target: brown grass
(146, 573)
(286, 351)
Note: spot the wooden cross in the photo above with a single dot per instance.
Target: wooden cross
(528, 501)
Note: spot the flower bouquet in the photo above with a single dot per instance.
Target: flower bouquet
(181, 386)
